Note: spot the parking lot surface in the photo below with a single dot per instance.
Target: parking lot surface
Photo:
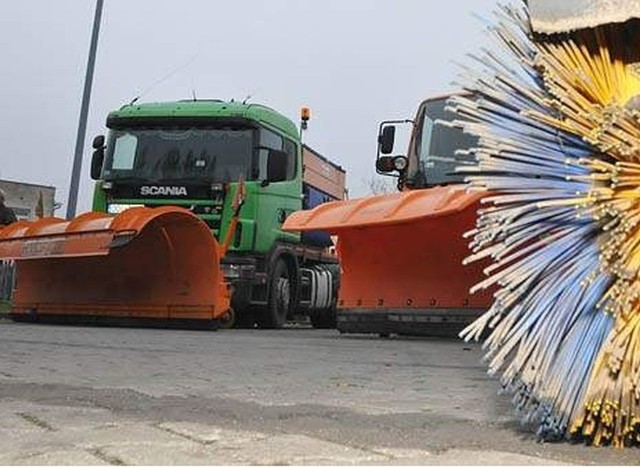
(90, 395)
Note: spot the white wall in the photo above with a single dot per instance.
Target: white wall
(23, 198)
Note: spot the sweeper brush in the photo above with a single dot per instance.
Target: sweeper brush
(556, 111)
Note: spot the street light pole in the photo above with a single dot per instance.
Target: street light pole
(84, 111)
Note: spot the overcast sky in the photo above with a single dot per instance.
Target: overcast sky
(353, 62)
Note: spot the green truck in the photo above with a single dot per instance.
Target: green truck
(193, 154)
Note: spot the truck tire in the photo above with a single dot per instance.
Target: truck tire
(245, 318)
(323, 319)
(326, 318)
(227, 321)
(280, 296)
(241, 304)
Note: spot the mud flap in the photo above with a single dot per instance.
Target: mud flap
(157, 264)
(404, 253)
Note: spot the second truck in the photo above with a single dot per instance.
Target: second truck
(402, 254)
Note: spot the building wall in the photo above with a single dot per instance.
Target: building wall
(24, 198)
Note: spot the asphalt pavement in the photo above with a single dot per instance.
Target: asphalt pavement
(124, 396)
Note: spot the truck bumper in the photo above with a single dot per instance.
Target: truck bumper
(438, 322)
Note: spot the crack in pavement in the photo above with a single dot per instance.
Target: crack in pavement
(104, 457)
(34, 420)
(184, 435)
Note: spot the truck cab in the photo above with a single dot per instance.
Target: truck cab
(402, 254)
(436, 148)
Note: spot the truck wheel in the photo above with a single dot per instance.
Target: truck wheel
(326, 318)
(280, 295)
(245, 319)
(227, 321)
(323, 319)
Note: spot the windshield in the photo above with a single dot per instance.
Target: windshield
(434, 147)
(179, 154)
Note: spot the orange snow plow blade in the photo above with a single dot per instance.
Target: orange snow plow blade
(144, 265)
(401, 260)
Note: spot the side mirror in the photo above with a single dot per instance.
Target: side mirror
(96, 163)
(98, 157)
(386, 139)
(277, 163)
(98, 142)
(385, 164)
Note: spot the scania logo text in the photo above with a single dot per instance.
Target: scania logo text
(163, 191)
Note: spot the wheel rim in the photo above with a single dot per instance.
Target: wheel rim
(283, 294)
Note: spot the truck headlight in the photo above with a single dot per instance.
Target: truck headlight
(238, 271)
(400, 163)
(116, 208)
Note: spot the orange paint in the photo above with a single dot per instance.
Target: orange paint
(402, 251)
(143, 263)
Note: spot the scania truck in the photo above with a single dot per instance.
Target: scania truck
(195, 154)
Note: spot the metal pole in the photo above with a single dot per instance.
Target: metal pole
(84, 110)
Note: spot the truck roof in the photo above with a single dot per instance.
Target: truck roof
(210, 108)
